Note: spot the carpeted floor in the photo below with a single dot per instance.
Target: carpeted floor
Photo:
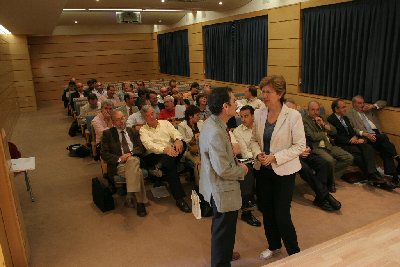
(66, 229)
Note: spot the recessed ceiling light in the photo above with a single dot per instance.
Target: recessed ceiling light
(160, 21)
(75, 21)
(162, 1)
(97, 0)
(220, 3)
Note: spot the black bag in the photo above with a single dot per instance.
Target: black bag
(102, 196)
(74, 129)
(78, 150)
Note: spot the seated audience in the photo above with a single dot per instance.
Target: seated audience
(317, 131)
(130, 101)
(168, 113)
(69, 89)
(126, 88)
(178, 97)
(121, 148)
(192, 94)
(103, 120)
(250, 98)
(365, 121)
(136, 120)
(90, 83)
(165, 148)
(110, 95)
(171, 85)
(79, 93)
(201, 102)
(163, 93)
(206, 89)
(91, 108)
(243, 135)
(152, 98)
(346, 137)
(99, 90)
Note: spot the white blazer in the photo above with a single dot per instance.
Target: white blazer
(288, 140)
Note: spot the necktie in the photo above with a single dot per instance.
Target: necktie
(366, 123)
(124, 143)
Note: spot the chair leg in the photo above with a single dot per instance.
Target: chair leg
(28, 186)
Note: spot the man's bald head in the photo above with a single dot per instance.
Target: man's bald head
(313, 109)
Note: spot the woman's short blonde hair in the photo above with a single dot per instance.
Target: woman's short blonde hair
(277, 82)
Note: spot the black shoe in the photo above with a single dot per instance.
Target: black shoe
(249, 218)
(323, 204)
(375, 178)
(333, 202)
(141, 210)
(183, 206)
(385, 186)
(396, 181)
(248, 204)
(206, 210)
(332, 188)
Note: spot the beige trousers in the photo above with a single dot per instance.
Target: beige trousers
(134, 178)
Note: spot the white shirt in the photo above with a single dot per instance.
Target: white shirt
(186, 131)
(135, 119)
(255, 103)
(156, 139)
(243, 136)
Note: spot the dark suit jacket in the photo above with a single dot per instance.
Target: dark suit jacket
(111, 147)
(342, 137)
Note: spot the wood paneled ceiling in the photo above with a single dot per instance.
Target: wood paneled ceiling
(32, 17)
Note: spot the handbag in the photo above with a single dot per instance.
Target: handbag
(102, 196)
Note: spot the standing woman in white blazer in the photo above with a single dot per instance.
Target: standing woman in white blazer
(278, 140)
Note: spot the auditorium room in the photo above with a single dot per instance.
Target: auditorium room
(199, 133)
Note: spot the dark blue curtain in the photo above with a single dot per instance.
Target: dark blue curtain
(353, 48)
(173, 52)
(237, 51)
(251, 50)
(218, 51)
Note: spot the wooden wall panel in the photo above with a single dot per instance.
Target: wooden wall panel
(284, 57)
(9, 109)
(286, 13)
(122, 57)
(286, 43)
(195, 56)
(284, 30)
(291, 74)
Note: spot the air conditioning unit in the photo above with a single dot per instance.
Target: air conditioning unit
(129, 17)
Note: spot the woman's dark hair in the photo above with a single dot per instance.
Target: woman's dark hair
(198, 98)
(218, 97)
(190, 112)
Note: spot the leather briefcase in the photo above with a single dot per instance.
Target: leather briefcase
(102, 196)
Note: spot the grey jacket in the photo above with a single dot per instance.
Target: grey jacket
(219, 173)
(372, 115)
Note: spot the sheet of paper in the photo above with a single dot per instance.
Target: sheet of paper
(23, 164)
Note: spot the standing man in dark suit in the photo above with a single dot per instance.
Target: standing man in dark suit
(220, 174)
(121, 148)
(365, 122)
(346, 137)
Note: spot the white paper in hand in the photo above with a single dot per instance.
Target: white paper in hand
(196, 210)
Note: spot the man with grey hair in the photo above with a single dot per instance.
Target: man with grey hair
(318, 130)
(165, 148)
(102, 121)
(121, 148)
(364, 119)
